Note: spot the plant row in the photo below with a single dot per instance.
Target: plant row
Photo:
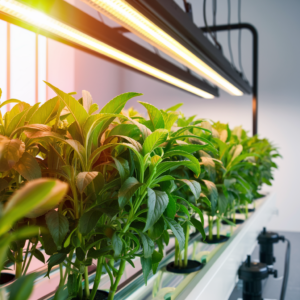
(84, 187)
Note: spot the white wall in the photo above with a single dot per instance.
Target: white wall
(278, 24)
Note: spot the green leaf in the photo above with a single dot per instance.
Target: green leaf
(213, 194)
(130, 130)
(89, 220)
(122, 167)
(162, 179)
(97, 253)
(222, 203)
(183, 209)
(155, 139)
(58, 226)
(127, 190)
(191, 157)
(117, 244)
(72, 285)
(22, 288)
(54, 260)
(145, 131)
(166, 237)
(177, 231)
(198, 211)
(28, 167)
(38, 255)
(9, 101)
(174, 108)
(93, 108)
(34, 199)
(209, 166)
(76, 109)
(194, 186)
(114, 106)
(155, 115)
(31, 112)
(190, 148)
(171, 207)
(79, 149)
(47, 112)
(157, 229)
(199, 226)
(169, 119)
(157, 203)
(148, 245)
(146, 267)
(11, 152)
(87, 100)
(171, 165)
(80, 254)
(16, 122)
(156, 259)
(83, 179)
(17, 109)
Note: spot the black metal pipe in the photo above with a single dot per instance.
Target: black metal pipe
(254, 63)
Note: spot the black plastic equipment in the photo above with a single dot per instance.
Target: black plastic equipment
(266, 239)
(252, 274)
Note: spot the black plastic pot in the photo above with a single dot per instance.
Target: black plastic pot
(100, 295)
(215, 240)
(238, 211)
(6, 278)
(237, 221)
(192, 266)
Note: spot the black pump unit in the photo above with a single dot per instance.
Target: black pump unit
(266, 239)
(252, 274)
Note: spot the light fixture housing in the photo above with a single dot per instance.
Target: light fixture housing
(59, 20)
(154, 20)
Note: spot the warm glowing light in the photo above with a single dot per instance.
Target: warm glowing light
(40, 19)
(133, 20)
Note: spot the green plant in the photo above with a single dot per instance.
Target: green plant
(132, 181)
(36, 196)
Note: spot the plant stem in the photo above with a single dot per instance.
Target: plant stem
(113, 288)
(86, 283)
(26, 255)
(179, 259)
(218, 227)
(210, 228)
(177, 253)
(97, 278)
(61, 281)
(186, 245)
(19, 257)
(68, 265)
(24, 273)
(246, 210)
(233, 218)
(80, 287)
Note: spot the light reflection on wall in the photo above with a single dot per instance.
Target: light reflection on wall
(3, 60)
(25, 82)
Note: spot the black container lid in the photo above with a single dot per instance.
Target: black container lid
(253, 271)
(266, 237)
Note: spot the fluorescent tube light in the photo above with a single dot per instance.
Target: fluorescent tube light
(39, 19)
(129, 17)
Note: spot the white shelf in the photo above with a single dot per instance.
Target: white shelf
(218, 278)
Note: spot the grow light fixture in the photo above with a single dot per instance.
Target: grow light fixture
(129, 17)
(41, 20)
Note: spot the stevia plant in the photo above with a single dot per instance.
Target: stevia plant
(18, 165)
(34, 196)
